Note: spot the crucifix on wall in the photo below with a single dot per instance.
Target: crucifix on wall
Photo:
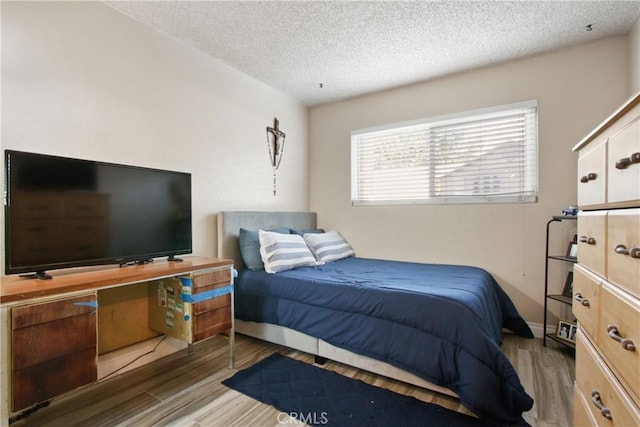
(275, 143)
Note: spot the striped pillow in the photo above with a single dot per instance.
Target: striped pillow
(249, 242)
(327, 247)
(281, 252)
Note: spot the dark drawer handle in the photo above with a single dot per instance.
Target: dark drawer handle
(588, 177)
(588, 240)
(625, 162)
(626, 343)
(582, 300)
(597, 401)
(633, 252)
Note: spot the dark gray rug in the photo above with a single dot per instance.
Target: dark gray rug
(319, 397)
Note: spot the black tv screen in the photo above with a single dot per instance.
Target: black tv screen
(62, 212)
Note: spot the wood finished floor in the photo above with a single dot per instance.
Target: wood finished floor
(184, 389)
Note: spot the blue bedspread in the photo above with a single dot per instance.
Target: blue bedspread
(441, 322)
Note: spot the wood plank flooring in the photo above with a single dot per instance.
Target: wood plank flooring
(184, 389)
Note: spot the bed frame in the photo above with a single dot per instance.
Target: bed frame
(229, 224)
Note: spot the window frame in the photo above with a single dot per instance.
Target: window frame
(442, 120)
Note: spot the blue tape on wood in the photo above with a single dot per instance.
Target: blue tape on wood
(186, 281)
(204, 296)
(87, 304)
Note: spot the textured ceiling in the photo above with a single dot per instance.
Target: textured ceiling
(358, 47)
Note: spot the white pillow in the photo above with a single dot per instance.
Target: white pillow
(329, 246)
(281, 252)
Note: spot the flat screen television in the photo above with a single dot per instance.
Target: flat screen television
(62, 212)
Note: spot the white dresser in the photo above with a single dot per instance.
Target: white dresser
(606, 289)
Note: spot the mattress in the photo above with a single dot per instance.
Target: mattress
(442, 323)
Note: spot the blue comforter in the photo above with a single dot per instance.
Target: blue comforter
(441, 322)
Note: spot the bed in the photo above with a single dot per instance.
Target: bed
(387, 317)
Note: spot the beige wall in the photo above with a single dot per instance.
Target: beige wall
(634, 59)
(82, 80)
(576, 88)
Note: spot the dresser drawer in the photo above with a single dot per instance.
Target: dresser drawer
(620, 346)
(582, 416)
(623, 249)
(586, 299)
(623, 169)
(592, 175)
(592, 241)
(603, 393)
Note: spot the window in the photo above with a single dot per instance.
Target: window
(485, 156)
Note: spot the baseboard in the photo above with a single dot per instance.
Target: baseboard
(125, 359)
(538, 329)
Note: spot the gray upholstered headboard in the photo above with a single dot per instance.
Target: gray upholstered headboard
(230, 222)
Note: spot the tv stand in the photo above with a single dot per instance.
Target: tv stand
(42, 275)
(172, 258)
(51, 333)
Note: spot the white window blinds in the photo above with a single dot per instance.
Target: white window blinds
(483, 156)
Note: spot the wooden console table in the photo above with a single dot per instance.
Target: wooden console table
(49, 334)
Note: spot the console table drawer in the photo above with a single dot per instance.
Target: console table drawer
(211, 303)
(53, 348)
(212, 306)
(52, 378)
(212, 278)
(211, 323)
(44, 324)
